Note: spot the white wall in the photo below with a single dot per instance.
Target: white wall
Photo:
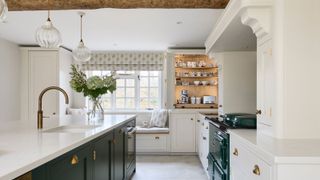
(10, 81)
(297, 46)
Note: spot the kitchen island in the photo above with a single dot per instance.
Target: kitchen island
(23, 148)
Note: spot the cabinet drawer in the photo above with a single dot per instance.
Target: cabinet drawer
(245, 161)
(152, 142)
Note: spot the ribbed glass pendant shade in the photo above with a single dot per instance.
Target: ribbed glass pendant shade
(3, 10)
(81, 53)
(47, 36)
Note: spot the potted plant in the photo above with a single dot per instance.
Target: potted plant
(93, 87)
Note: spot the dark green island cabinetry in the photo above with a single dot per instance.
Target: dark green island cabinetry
(108, 157)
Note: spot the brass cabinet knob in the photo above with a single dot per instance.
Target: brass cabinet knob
(198, 120)
(220, 106)
(157, 137)
(256, 170)
(235, 152)
(258, 112)
(191, 119)
(204, 138)
(74, 160)
(207, 127)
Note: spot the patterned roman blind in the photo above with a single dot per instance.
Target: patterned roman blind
(125, 61)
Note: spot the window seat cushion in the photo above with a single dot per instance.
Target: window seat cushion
(154, 130)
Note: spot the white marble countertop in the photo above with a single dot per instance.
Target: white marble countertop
(280, 151)
(23, 147)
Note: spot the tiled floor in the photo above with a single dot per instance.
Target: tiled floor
(169, 168)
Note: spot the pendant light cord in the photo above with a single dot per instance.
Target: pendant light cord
(49, 11)
(81, 16)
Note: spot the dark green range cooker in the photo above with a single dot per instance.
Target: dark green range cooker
(219, 143)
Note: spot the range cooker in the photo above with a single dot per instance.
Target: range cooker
(218, 157)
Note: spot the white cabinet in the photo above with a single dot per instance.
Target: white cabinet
(237, 82)
(152, 143)
(245, 163)
(203, 142)
(42, 68)
(183, 132)
(265, 83)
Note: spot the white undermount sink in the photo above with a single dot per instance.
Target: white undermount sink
(71, 129)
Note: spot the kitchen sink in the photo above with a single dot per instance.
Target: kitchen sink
(71, 129)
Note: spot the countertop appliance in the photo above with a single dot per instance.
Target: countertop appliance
(208, 99)
(184, 97)
(218, 157)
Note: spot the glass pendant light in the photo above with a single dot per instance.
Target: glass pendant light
(81, 53)
(47, 36)
(3, 10)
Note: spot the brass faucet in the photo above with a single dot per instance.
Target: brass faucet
(40, 112)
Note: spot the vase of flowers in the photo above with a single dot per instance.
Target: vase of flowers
(93, 87)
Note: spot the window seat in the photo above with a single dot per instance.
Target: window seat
(154, 130)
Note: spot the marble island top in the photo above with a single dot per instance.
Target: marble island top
(280, 151)
(23, 147)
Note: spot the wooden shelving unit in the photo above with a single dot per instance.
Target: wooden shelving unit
(185, 74)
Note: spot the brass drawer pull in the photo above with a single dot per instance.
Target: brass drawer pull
(157, 137)
(256, 170)
(74, 160)
(235, 152)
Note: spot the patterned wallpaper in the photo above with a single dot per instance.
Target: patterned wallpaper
(125, 61)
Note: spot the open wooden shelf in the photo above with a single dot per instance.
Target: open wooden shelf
(196, 76)
(196, 67)
(196, 106)
(196, 85)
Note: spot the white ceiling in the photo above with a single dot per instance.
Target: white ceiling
(118, 29)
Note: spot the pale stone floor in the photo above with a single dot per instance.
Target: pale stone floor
(169, 168)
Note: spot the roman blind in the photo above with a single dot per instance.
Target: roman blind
(125, 61)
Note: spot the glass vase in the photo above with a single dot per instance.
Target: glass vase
(96, 111)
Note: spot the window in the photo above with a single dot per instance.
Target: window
(136, 90)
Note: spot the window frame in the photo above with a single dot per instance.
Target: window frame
(137, 77)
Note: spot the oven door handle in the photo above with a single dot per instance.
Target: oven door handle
(132, 131)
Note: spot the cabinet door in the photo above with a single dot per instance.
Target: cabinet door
(119, 153)
(183, 132)
(76, 165)
(102, 156)
(43, 72)
(265, 81)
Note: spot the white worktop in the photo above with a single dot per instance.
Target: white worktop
(23, 147)
(280, 151)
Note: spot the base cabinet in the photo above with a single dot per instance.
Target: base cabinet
(183, 129)
(75, 165)
(119, 153)
(102, 156)
(100, 159)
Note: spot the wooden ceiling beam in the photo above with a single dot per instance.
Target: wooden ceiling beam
(26, 5)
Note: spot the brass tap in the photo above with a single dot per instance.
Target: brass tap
(40, 112)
